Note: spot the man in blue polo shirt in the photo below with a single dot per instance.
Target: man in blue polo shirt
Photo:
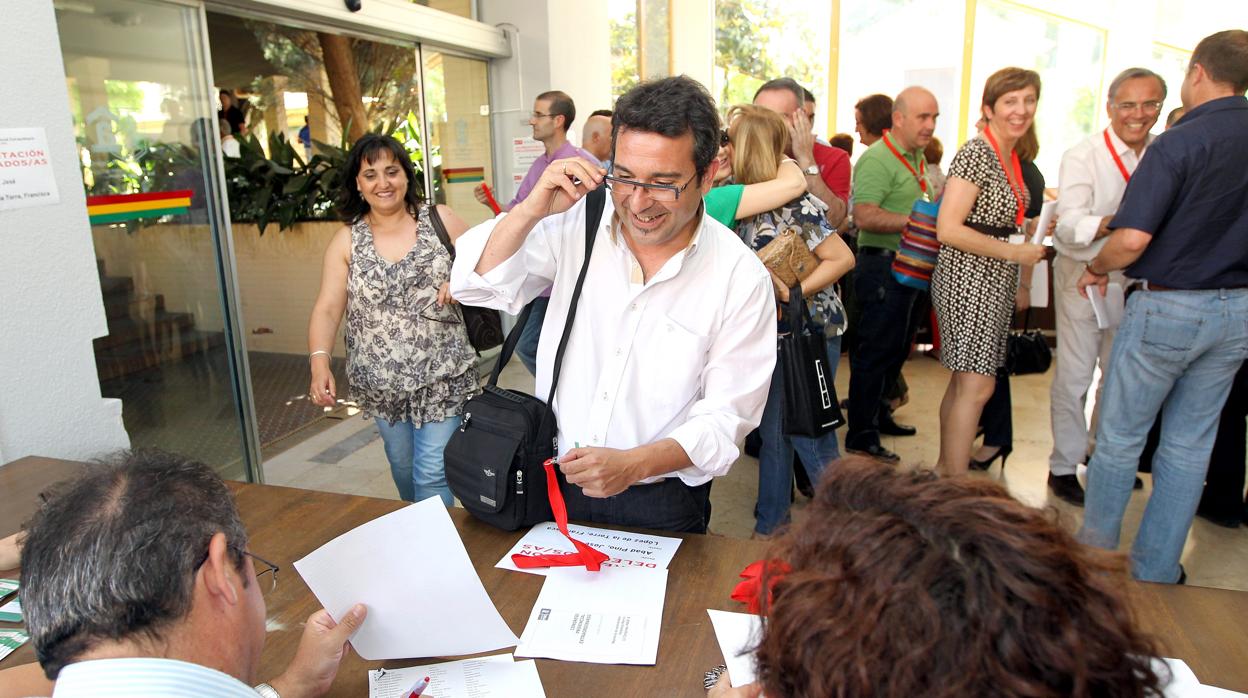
(1182, 230)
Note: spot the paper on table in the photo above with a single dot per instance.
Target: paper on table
(737, 634)
(482, 677)
(410, 569)
(611, 616)
(1183, 683)
(8, 586)
(11, 612)
(627, 549)
(11, 640)
(1110, 308)
(1047, 209)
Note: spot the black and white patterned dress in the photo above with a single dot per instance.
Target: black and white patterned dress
(974, 295)
(407, 358)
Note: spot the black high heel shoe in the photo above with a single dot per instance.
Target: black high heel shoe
(1003, 453)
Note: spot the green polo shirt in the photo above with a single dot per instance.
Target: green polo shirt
(722, 202)
(881, 179)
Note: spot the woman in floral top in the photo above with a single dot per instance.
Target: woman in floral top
(758, 139)
(409, 362)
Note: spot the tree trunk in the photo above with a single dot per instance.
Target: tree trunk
(344, 82)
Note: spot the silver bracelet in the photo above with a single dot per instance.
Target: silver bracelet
(266, 691)
(319, 351)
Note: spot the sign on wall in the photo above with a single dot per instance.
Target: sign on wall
(26, 177)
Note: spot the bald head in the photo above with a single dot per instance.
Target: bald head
(914, 117)
(597, 137)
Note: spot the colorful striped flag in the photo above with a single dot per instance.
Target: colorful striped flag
(129, 207)
(459, 175)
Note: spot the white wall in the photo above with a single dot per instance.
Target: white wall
(50, 400)
(556, 45)
(693, 45)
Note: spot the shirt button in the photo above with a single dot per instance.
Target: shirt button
(619, 352)
(633, 306)
(606, 396)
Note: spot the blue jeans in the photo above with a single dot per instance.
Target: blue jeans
(775, 458)
(526, 348)
(1177, 352)
(415, 455)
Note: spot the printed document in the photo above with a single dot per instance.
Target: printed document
(410, 569)
(612, 616)
(1109, 308)
(737, 634)
(499, 676)
(626, 549)
(1183, 682)
(1047, 209)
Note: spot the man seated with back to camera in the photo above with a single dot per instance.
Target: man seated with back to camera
(137, 580)
(672, 348)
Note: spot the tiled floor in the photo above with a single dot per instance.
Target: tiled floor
(348, 458)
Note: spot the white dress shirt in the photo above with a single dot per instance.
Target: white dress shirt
(146, 676)
(687, 355)
(1090, 187)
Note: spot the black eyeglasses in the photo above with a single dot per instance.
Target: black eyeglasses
(657, 192)
(723, 137)
(539, 115)
(269, 569)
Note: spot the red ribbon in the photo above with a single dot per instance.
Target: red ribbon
(750, 590)
(1018, 175)
(585, 555)
(918, 176)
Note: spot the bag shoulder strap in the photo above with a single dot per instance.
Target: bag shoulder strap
(439, 227)
(595, 202)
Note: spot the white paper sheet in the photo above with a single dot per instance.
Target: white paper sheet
(612, 616)
(410, 569)
(737, 634)
(484, 677)
(1047, 209)
(1183, 682)
(626, 549)
(1040, 284)
(1110, 308)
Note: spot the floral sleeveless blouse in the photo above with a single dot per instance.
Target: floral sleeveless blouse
(407, 358)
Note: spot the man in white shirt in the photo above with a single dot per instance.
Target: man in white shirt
(1093, 177)
(137, 581)
(674, 342)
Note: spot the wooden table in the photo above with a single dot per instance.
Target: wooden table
(1204, 627)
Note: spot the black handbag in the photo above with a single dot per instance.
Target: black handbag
(810, 404)
(484, 325)
(494, 460)
(1027, 351)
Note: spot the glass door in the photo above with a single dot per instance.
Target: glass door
(149, 153)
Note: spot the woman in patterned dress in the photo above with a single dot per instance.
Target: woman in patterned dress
(409, 363)
(976, 276)
(758, 139)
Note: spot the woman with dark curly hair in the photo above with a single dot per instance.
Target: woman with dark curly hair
(409, 362)
(906, 584)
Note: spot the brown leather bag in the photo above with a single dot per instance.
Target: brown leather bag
(788, 256)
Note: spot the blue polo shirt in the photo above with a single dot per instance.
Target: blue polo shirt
(1190, 192)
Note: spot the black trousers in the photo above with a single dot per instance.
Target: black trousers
(666, 505)
(1224, 484)
(997, 418)
(884, 332)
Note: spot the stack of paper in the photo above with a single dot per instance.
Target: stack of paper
(1109, 308)
(499, 676)
(11, 640)
(11, 612)
(626, 549)
(411, 570)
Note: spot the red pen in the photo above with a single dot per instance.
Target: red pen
(417, 688)
(489, 196)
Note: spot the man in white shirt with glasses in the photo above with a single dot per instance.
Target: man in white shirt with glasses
(1092, 179)
(674, 342)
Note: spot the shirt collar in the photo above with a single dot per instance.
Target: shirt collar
(86, 677)
(607, 227)
(1219, 104)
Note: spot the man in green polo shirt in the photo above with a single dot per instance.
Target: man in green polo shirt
(889, 177)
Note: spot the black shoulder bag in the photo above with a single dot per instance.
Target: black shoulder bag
(484, 325)
(810, 404)
(494, 460)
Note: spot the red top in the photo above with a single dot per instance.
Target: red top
(834, 169)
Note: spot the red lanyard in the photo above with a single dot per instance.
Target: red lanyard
(1018, 175)
(1117, 160)
(918, 176)
(585, 555)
